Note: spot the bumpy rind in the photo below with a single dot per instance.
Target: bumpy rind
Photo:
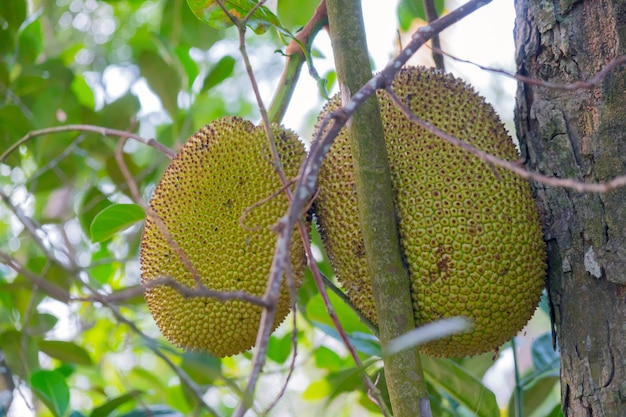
(222, 170)
(470, 232)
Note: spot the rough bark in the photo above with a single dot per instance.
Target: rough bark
(579, 134)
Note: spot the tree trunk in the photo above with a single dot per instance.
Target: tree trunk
(579, 134)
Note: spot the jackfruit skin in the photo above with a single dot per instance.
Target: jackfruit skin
(470, 232)
(220, 171)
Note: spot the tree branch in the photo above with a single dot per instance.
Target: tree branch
(431, 14)
(87, 128)
(389, 277)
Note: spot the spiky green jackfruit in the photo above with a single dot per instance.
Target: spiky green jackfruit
(221, 171)
(470, 232)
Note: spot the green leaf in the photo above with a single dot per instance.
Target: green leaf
(317, 390)
(13, 13)
(365, 343)
(92, 203)
(183, 398)
(538, 398)
(145, 380)
(107, 408)
(41, 323)
(467, 390)
(477, 365)
(83, 92)
(279, 348)
(438, 405)
(409, 10)
(20, 352)
(30, 40)
(219, 72)
(162, 78)
(189, 66)
(113, 219)
(155, 410)
(120, 113)
(51, 388)
(296, 13)
(347, 380)
(66, 369)
(210, 12)
(544, 357)
(201, 367)
(315, 311)
(187, 31)
(326, 358)
(556, 411)
(14, 125)
(65, 351)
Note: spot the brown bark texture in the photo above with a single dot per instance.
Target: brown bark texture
(579, 134)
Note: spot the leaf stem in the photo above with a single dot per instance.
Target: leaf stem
(518, 384)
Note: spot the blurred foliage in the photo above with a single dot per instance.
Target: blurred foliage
(410, 10)
(69, 230)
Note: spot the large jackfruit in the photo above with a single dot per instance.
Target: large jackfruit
(469, 231)
(221, 171)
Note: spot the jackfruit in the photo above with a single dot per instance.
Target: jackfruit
(220, 172)
(469, 232)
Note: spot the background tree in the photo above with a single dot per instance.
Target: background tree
(578, 132)
(75, 335)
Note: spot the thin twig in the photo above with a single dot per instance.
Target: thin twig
(33, 230)
(53, 290)
(259, 203)
(52, 164)
(576, 85)
(346, 300)
(292, 362)
(203, 291)
(87, 128)
(511, 166)
(182, 289)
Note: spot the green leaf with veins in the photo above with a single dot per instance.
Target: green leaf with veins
(210, 12)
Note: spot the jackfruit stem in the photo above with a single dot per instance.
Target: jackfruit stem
(390, 279)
